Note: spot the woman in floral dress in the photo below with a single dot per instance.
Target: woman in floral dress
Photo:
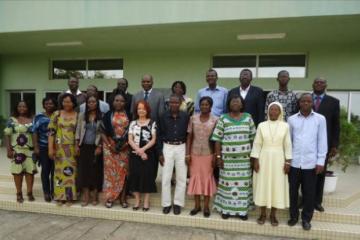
(20, 149)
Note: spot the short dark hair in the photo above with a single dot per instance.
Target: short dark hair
(126, 81)
(235, 96)
(15, 112)
(182, 84)
(46, 99)
(65, 95)
(212, 70)
(283, 71)
(208, 99)
(147, 108)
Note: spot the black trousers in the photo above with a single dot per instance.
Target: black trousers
(47, 171)
(320, 182)
(307, 179)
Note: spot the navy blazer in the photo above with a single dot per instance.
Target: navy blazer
(254, 102)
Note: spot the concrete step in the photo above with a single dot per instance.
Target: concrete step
(320, 230)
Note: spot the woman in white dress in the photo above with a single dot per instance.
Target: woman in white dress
(271, 155)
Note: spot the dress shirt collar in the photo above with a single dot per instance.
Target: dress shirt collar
(299, 114)
(212, 89)
(78, 92)
(149, 91)
(321, 96)
(246, 89)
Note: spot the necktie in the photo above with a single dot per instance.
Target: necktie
(146, 95)
(317, 103)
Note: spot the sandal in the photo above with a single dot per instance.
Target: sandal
(261, 220)
(19, 197)
(30, 197)
(109, 204)
(124, 205)
(274, 222)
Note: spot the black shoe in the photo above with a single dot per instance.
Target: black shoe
(244, 218)
(47, 197)
(166, 210)
(146, 209)
(225, 216)
(177, 209)
(319, 208)
(136, 208)
(292, 222)
(195, 211)
(206, 213)
(306, 225)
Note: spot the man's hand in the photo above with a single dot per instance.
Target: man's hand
(319, 169)
(333, 152)
(161, 160)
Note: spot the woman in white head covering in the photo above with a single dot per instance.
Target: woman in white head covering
(271, 155)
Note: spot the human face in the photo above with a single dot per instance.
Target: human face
(121, 85)
(274, 112)
(91, 91)
(245, 78)
(67, 104)
(22, 108)
(73, 84)
(306, 103)
(205, 107)
(235, 105)
(49, 106)
(91, 103)
(141, 111)
(174, 104)
(319, 86)
(211, 78)
(147, 82)
(178, 90)
(283, 79)
(119, 103)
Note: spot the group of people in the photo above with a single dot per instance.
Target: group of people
(233, 145)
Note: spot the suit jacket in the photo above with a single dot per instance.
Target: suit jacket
(155, 100)
(254, 102)
(330, 109)
(80, 130)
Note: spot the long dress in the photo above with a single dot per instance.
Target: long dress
(142, 172)
(272, 145)
(202, 181)
(234, 194)
(63, 130)
(21, 142)
(116, 164)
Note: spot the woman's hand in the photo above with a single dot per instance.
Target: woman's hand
(10, 153)
(256, 165)
(77, 150)
(51, 154)
(220, 163)
(144, 156)
(188, 160)
(98, 150)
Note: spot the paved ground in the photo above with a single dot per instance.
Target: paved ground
(22, 225)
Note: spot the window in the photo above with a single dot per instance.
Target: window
(87, 68)
(262, 66)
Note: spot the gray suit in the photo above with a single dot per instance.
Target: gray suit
(155, 100)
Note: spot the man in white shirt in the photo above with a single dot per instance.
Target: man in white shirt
(309, 140)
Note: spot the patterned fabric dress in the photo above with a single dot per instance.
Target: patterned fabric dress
(287, 99)
(234, 194)
(65, 162)
(116, 164)
(21, 142)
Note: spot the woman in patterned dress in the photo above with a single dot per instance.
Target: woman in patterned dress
(233, 134)
(116, 152)
(62, 128)
(20, 149)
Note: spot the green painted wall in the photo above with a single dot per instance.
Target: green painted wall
(339, 65)
(17, 16)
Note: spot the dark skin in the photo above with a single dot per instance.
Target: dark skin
(49, 108)
(205, 110)
(119, 106)
(235, 113)
(306, 103)
(91, 92)
(283, 80)
(22, 110)
(211, 79)
(73, 84)
(147, 82)
(122, 85)
(245, 79)
(174, 104)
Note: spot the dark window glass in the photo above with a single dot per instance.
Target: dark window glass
(105, 68)
(63, 69)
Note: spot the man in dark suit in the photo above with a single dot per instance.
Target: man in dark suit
(122, 86)
(156, 101)
(253, 96)
(329, 107)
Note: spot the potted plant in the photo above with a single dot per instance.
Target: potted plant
(349, 148)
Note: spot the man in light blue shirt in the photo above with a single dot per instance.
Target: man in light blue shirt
(93, 91)
(217, 93)
(309, 140)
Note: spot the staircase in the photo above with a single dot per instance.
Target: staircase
(341, 219)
